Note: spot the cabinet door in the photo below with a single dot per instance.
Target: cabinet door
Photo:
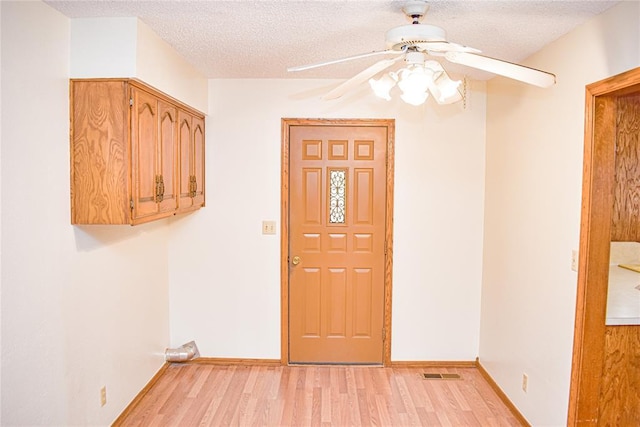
(198, 162)
(144, 137)
(191, 142)
(167, 157)
(185, 138)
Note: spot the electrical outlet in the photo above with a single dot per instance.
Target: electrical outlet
(574, 260)
(103, 396)
(525, 382)
(268, 227)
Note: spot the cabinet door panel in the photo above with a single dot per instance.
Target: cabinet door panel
(167, 151)
(198, 160)
(185, 136)
(144, 134)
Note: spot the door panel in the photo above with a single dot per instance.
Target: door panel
(337, 193)
(337, 303)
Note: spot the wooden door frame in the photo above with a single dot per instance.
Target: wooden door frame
(595, 238)
(287, 123)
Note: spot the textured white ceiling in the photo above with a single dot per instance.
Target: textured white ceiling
(260, 39)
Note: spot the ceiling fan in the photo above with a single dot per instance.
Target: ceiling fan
(417, 44)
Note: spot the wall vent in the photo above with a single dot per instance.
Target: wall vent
(441, 376)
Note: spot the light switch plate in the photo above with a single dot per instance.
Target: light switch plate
(268, 227)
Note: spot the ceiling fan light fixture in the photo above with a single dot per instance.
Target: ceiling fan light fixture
(414, 82)
(415, 79)
(445, 90)
(414, 98)
(383, 85)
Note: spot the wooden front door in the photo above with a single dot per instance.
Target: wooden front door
(337, 241)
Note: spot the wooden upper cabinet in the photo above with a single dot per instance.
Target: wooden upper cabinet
(126, 153)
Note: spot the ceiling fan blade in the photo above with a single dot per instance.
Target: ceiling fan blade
(508, 69)
(361, 77)
(443, 46)
(349, 58)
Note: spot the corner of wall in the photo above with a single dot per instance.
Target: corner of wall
(160, 65)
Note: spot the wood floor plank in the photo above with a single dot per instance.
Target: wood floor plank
(261, 394)
(322, 396)
(428, 418)
(408, 402)
(325, 402)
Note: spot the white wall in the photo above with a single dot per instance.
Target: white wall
(104, 47)
(127, 47)
(224, 274)
(82, 306)
(532, 217)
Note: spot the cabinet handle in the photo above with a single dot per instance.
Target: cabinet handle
(193, 186)
(159, 188)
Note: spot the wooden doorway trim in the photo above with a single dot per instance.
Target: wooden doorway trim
(284, 221)
(595, 238)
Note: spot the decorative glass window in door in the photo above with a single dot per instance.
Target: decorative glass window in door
(337, 196)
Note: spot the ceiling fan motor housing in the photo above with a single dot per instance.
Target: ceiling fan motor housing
(412, 35)
(415, 9)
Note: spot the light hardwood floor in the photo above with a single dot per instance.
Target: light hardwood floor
(210, 395)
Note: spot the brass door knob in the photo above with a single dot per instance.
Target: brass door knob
(295, 260)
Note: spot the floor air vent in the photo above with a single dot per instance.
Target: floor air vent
(441, 376)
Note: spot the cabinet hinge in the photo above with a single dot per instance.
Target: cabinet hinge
(130, 102)
(384, 334)
(131, 203)
(385, 247)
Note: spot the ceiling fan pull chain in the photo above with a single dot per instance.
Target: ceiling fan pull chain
(464, 93)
